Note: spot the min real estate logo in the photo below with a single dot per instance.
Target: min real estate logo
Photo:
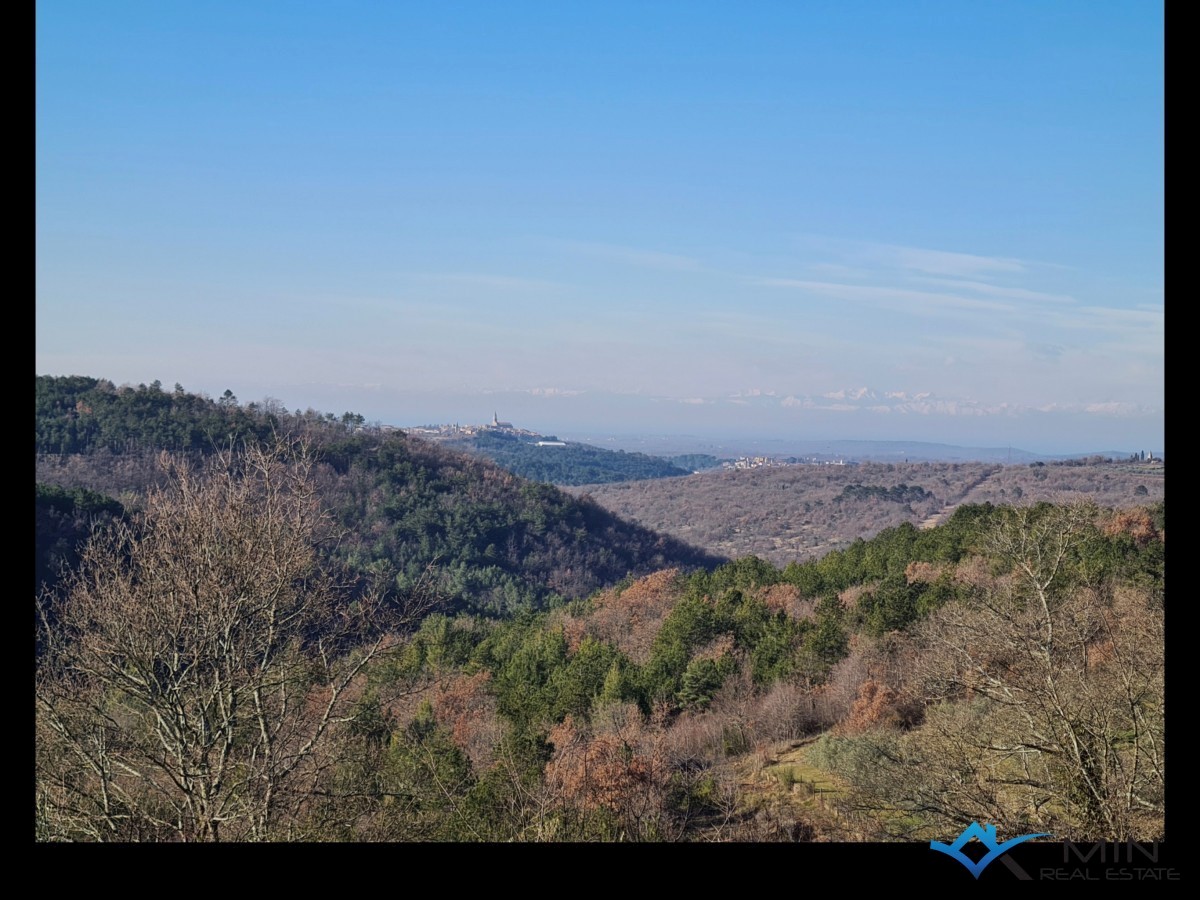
(986, 835)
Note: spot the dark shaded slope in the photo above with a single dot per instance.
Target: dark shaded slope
(499, 541)
(63, 520)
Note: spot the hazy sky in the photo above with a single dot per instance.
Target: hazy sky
(902, 220)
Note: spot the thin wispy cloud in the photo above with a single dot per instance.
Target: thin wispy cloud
(633, 256)
(940, 262)
(1124, 316)
(995, 290)
(501, 282)
(836, 270)
(877, 256)
(1011, 330)
(902, 299)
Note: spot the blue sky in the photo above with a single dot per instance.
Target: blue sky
(915, 220)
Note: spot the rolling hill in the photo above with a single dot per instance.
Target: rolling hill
(499, 543)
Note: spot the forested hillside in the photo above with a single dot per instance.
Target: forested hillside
(495, 541)
(80, 415)
(571, 464)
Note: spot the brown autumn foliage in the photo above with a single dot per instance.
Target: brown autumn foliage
(878, 705)
(850, 596)
(1135, 522)
(466, 708)
(630, 618)
(974, 572)
(920, 572)
(617, 765)
(787, 597)
(597, 770)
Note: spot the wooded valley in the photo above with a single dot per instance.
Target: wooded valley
(261, 625)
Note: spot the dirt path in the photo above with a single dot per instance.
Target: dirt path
(946, 511)
(938, 517)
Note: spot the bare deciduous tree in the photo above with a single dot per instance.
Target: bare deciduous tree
(195, 669)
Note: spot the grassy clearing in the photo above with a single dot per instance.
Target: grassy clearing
(781, 781)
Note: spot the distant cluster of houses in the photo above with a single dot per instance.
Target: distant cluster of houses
(450, 432)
